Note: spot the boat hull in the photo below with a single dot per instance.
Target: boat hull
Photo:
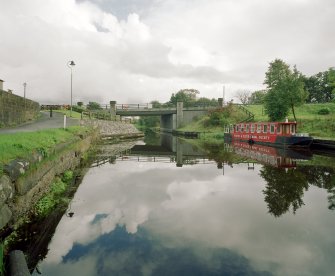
(278, 141)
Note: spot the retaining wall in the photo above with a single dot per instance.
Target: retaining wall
(26, 181)
(16, 110)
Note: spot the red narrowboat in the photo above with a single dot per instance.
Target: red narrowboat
(270, 133)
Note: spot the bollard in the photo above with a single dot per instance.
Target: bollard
(64, 121)
(17, 264)
(50, 111)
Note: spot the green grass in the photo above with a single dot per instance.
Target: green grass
(47, 203)
(21, 145)
(55, 196)
(308, 119)
(74, 114)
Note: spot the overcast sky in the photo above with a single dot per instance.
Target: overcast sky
(136, 51)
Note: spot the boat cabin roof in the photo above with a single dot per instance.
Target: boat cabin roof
(266, 123)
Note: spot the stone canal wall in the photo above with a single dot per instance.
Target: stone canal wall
(16, 110)
(25, 181)
(113, 129)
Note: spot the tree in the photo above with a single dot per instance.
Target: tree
(93, 106)
(331, 82)
(321, 86)
(156, 104)
(203, 101)
(257, 97)
(243, 96)
(285, 90)
(187, 96)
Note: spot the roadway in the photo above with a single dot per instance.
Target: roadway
(43, 122)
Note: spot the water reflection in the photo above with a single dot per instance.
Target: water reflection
(154, 218)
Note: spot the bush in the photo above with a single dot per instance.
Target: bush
(78, 108)
(220, 116)
(324, 111)
(67, 176)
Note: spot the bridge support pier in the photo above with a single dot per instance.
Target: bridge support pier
(112, 110)
(168, 122)
(180, 114)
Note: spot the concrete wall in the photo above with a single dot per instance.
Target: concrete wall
(191, 115)
(15, 109)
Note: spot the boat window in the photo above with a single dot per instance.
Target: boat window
(287, 129)
(242, 127)
(265, 128)
(252, 128)
(236, 128)
(278, 128)
(272, 128)
(259, 128)
(293, 129)
(247, 128)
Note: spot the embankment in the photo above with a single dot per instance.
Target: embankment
(25, 181)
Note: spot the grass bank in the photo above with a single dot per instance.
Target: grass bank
(308, 116)
(21, 145)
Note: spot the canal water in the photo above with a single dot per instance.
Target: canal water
(172, 208)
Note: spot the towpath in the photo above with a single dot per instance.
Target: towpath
(43, 122)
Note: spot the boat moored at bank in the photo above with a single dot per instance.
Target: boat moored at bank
(269, 133)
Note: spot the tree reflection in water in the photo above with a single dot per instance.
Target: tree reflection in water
(285, 188)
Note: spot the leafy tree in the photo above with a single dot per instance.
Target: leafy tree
(149, 121)
(321, 86)
(331, 82)
(257, 97)
(187, 96)
(93, 106)
(156, 104)
(203, 101)
(285, 90)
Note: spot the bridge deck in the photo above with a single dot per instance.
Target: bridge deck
(145, 112)
(125, 111)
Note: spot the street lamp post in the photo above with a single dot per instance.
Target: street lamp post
(70, 64)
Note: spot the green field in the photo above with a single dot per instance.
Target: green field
(309, 121)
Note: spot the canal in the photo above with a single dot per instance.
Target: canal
(167, 207)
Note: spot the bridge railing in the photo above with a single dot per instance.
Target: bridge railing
(133, 106)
